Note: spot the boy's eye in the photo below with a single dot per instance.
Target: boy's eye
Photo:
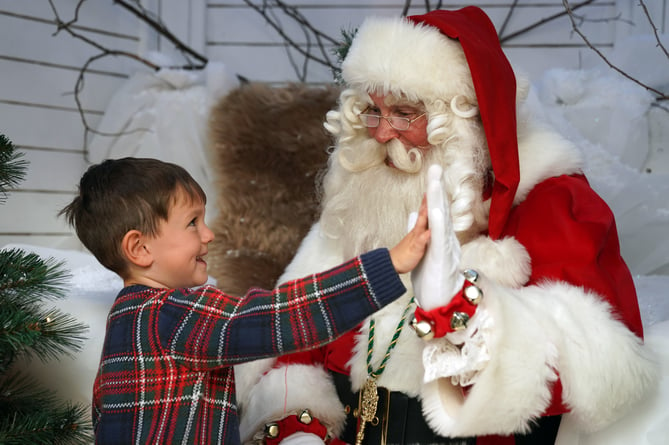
(193, 222)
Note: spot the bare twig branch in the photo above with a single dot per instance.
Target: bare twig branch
(146, 16)
(322, 39)
(505, 39)
(428, 7)
(104, 52)
(142, 14)
(68, 27)
(78, 88)
(308, 30)
(405, 10)
(652, 25)
(502, 28)
(660, 95)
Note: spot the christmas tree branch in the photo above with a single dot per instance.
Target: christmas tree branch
(12, 167)
(28, 413)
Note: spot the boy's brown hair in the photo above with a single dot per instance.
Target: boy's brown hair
(119, 195)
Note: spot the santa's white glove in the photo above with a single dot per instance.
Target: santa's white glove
(436, 279)
(302, 439)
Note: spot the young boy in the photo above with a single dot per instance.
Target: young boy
(165, 374)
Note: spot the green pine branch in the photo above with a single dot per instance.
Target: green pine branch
(29, 327)
(12, 167)
(31, 415)
(27, 278)
(340, 51)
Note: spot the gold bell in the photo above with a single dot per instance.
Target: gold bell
(473, 294)
(459, 321)
(305, 417)
(471, 275)
(272, 430)
(423, 329)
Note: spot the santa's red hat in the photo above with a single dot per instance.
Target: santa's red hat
(437, 56)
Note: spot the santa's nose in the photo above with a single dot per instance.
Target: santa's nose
(385, 132)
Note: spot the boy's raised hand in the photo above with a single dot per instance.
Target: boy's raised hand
(410, 250)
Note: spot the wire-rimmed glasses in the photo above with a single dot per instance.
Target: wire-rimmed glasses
(397, 122)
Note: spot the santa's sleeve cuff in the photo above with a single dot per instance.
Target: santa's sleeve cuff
(537, 332)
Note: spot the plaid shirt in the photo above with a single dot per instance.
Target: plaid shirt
(166, 375)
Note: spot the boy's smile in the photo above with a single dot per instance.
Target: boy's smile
(179, 248)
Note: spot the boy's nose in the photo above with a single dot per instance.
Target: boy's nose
(207, 234)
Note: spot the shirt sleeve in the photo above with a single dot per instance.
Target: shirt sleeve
(207, 328)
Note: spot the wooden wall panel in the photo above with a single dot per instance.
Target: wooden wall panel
(240, 36)
(27, 212)
(65, 168)
(54, 87)
(48, 127)
(268, 64)
(243, 25)
(27, 38)
(58, 241)
(39, 69)
(38, 112)
(98, 15)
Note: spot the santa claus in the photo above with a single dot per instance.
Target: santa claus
(523, 312)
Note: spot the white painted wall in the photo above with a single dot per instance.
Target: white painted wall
(38, 112)
(39, 68)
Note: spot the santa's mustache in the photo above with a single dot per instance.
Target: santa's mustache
(407, 160)
(363, 154)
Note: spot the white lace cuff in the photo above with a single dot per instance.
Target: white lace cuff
(460, 355)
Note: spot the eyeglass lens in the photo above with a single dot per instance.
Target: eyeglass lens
(373, 121)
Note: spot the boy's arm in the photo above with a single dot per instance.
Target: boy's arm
(208, 328)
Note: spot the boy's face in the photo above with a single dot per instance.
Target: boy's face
(179, 248)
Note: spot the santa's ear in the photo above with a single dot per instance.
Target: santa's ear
(135, 249)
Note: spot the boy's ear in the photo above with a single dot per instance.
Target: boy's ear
(135, 250)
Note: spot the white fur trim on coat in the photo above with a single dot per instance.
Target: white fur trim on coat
(542, 153)
(540, 331)
(504, 261)
(288, 390)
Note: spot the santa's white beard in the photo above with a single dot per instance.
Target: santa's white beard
(366, 203)
(370, 209)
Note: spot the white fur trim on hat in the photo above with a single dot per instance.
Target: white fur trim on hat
(393, 55)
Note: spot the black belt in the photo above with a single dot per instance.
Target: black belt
(401, 419)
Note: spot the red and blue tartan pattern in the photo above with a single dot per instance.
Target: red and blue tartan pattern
(166, 375)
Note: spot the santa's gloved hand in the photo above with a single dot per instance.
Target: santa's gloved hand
(302, 439)
(436, 279)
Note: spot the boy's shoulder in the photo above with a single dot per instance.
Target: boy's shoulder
(138, 294)
(134, 296)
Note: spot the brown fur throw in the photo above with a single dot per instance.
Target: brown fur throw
(268, 145)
